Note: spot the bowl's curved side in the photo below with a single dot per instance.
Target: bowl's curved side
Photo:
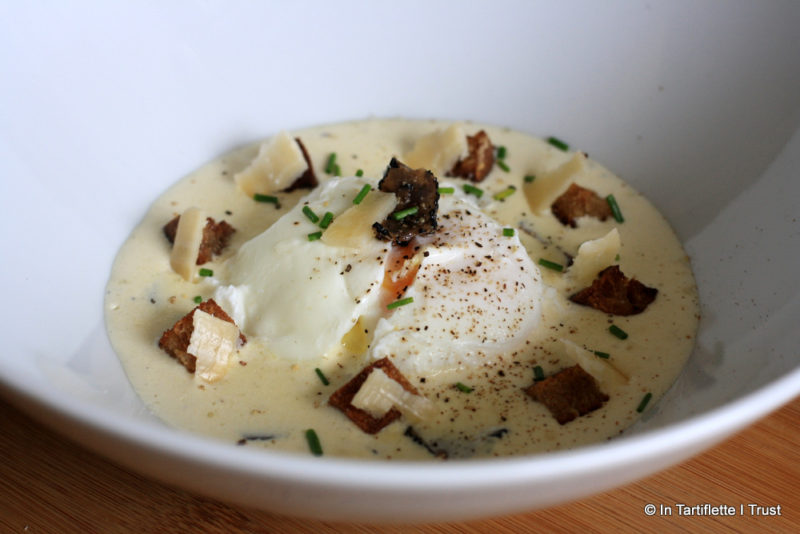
(344, 490)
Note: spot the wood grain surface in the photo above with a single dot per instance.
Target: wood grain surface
(49, 485)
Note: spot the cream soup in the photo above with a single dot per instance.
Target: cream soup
(489, 312)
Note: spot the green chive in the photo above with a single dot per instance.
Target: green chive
(313, 442)
(503, 165)
(326, 220)
(360, 173)
(198, 299)
(551, 265)
(505, 193)
(501, 152)
(643, 404)
(618, 332)
(398, 303)
(529, 178)
(314, 236)
(616, 258)
(538, 373)
(402, 214)
(508, 232)
(472, 190)
(446, 190)
(258, 197)
(612, 203)
(308, 212)
(463, 387)
(329, 167)
(601, 354)
(322, 376)
(361, 194)
(558, 143)
(337, 171)
(205, 272)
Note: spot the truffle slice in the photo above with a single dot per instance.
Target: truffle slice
(578, 201)
(612, 292)
(479, 160)
(342, 398)
(570, 393)
(415, 189)
(175, 341)
(215, 237)
(307, 180)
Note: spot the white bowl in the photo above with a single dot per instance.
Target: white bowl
(104, 105)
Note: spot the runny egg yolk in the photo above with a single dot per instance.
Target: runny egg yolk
(402, 265)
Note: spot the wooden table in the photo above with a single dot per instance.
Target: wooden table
(49, 485)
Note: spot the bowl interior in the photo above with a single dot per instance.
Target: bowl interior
(698, 110)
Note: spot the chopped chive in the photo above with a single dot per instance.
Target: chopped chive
(558, 143)
(337, 171)
(463, 387)
(508, 232)
(360, 173)
(472, 190)
(551, 265)
(616, 258)
(402, 214)
(258, 197)
(503, 165)
(612, 203)
(308, 212)
(501, 152)
(601, 354)
(538, 373)
(505, 193)
(446, 190)
(398, 303)
(313, 442)
(361, 194)
(198, 299)
(322, 376)
(529, 178)
(326, 220)
(329, 167)
(643, 404)
(313, 236)
(618, 332)
(205, 272)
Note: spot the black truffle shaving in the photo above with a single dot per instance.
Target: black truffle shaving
(499, 433)
(414, 188)
(416, 438)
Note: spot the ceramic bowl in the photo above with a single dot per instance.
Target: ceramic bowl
(697, 104)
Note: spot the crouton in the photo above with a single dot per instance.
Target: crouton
(479, 160)
(342, 398)
(175, 341)
(215, 237)
(578, 201)
(612, 292)
(570, 393)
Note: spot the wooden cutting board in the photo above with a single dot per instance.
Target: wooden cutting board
(49, 485)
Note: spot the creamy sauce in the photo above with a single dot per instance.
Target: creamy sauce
(269, 401)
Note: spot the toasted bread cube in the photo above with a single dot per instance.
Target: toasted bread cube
(613, 292)
(215, 237)
(177, 340)
(369, 423)
(570, 393)
(479, 160)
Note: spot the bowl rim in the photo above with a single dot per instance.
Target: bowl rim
(703, 429)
